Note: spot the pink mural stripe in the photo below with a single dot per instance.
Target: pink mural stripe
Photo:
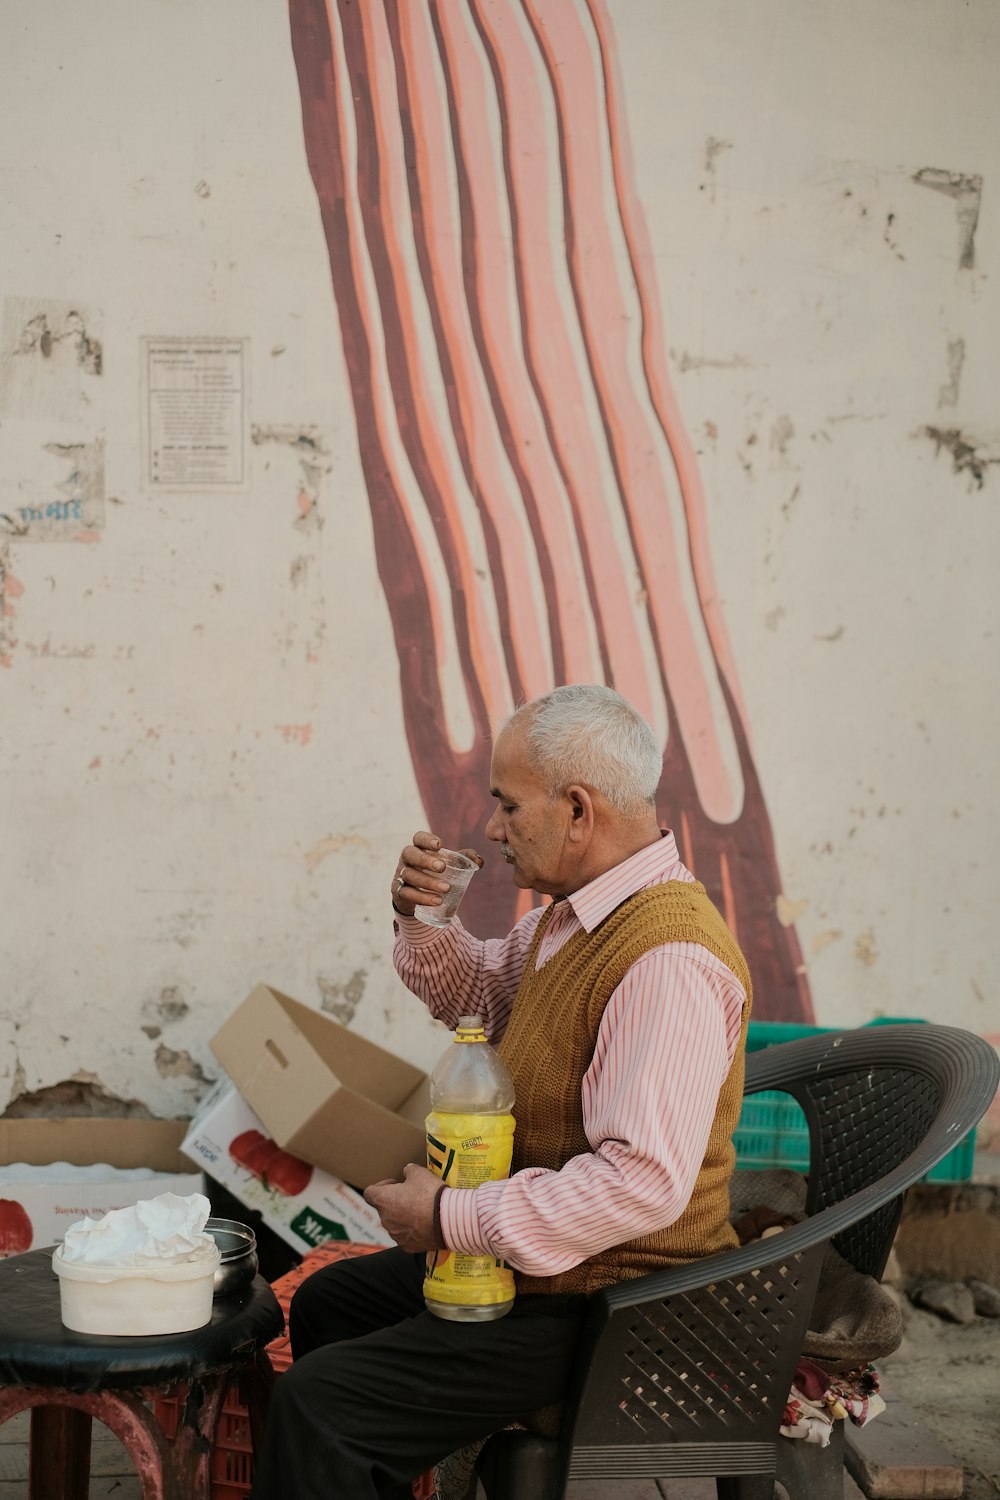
(552, 362)
(654, 347)
(426, 146)
(728, 900)
(502, 493)
(607, 330)
(491, 294)
(384, 211)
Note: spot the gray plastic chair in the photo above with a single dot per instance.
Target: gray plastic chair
(686, 1372)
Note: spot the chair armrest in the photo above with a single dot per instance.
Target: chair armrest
(726, 1266)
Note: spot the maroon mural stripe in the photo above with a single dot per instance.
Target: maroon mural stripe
(424, 258)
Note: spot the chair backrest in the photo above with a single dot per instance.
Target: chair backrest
(686, 1371)
(884, 1105)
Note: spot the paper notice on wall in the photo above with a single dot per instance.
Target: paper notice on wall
(195, 413)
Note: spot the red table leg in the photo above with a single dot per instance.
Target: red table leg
(59, 1453)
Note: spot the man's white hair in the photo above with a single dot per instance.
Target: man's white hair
(589, 734)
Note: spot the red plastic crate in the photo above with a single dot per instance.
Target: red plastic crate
(232, 1451)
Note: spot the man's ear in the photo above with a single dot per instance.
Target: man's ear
(582, 813)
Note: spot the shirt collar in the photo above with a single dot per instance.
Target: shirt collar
(650, 866)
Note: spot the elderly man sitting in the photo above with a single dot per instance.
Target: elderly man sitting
(620, 1009)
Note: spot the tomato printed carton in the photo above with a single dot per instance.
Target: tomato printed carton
(303, 1204)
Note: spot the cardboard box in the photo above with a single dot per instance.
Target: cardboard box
(40, 1179)
(303, 1204)
(323, 1092)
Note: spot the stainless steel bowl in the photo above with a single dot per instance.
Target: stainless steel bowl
(238, 1247)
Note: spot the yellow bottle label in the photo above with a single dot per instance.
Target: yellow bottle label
(465, 1150)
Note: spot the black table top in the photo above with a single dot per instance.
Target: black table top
(37, 1349)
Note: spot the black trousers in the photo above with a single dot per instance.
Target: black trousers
(380, 1389)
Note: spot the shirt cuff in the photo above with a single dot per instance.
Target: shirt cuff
(460, 1222)
(414, 933)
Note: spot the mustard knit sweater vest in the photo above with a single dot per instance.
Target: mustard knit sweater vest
(548, 1047)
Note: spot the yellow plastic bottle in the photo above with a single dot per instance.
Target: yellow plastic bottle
(470, 1137)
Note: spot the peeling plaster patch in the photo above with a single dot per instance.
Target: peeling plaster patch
(714, 148)
(332, 845)
(745, 458)
(887, 236)
(182, 927)
(789, 911)
(202, 189)
(686, 362)
(171, 1064)
(11, 588)
(306, 438)
(823, 939)
(948, 394)
(858, 416)
(12, 1078)
(782, 432)
(864, 948)
(964, 455)
(341, 1000)
(298, 734)
(164, 1009)
(967, 191)
(66, 653)
(786, 509)
(171, 1005)
(50, 356)
(83, 1095)
(307, 442)
(307, 627)
(70, 509)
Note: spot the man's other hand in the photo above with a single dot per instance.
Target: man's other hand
(406, 1208)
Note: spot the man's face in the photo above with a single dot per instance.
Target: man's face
(530, 829)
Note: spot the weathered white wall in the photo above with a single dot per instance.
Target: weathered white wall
(205, 781)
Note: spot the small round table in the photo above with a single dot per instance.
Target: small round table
(69, 1378)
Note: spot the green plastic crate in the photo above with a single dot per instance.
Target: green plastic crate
(772, 1129)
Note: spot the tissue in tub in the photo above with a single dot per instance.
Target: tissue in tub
(143, 1270)
(150, 1232)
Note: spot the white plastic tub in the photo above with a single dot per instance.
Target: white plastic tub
(136, 1301)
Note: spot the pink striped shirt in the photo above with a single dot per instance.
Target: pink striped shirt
(664, 1047)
